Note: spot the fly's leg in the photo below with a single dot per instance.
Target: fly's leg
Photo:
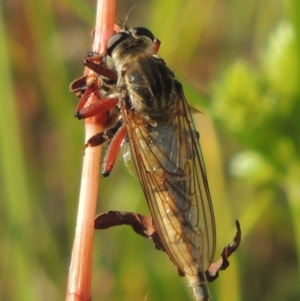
(112, 152)
(101, 70)
(84, 87)
(89, 90)
(101, 105)
(102, 137)
(79, 85)
(116, 134)
(99, 87)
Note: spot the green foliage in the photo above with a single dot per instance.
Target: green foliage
(260, 109)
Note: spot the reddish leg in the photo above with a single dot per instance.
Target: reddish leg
(89, 89)
(116, 134)
(101, 105)
(112, 152)
(102, 137)
(101, 70)
(78, 86)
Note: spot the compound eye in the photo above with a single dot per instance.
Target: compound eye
(116, 40)
(142, 31)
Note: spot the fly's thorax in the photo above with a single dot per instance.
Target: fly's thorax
(150, 84)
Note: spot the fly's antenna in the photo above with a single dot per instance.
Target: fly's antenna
(124, 25)
(126, 19)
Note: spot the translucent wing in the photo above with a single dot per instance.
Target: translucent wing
(170, 166)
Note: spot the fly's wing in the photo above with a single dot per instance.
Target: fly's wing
(171, 170)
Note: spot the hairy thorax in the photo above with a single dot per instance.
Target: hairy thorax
(149, 83)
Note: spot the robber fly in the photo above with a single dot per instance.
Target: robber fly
(155, 118)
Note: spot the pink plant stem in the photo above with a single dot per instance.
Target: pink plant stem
(80, 273)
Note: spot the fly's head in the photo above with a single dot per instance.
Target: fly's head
(131, 41)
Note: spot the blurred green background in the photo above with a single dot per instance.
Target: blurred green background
(239, 63)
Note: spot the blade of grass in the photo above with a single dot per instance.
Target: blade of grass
(17, 205)
(79, 284)
(293, 192)
(293, 183)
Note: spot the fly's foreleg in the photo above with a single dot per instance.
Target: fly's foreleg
(99, 106)
(87, 85)
(84, 87)
(79, 85)
(85, 95)
(101, 70)
(103, 78)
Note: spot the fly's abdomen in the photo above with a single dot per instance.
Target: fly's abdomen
(167, 185)
(180, 233)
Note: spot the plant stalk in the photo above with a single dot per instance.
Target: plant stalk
(80, 273)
